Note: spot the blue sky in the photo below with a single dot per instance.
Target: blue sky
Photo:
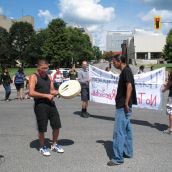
(98, 16)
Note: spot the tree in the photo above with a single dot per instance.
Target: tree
(34, 49)
(4, 46)
(55, 45)
(97, 53)
(80, 46)
(87, 50)
(167, 52)
(20, 36)
(108, 55)
(65, 45)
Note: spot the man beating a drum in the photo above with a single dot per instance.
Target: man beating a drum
(42, 89)
(83, 78)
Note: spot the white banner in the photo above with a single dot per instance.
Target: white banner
(103, 87)
(103, 90)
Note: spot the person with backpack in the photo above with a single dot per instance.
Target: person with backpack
(19, 79)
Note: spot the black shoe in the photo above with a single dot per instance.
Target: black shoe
(84, 115)
(111, 163)
(88, 114)
(126, 156)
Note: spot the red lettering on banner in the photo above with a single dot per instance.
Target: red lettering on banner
(151, 101)
(102, 93)
(140, 98)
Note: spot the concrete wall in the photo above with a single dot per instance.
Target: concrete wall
(28, 19)
(5, 22)
(140, 61)
(149, 43)
(145, 44)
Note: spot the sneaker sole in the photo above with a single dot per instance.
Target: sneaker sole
(170, 133)
(44, 154)
(56, 151)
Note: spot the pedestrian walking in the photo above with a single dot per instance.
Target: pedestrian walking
(19, 80)
(6, 81)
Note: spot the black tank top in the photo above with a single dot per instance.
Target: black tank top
(42, 86)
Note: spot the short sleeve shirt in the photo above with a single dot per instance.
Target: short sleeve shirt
(125, 77)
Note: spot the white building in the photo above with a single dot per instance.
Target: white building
(145, 47)
(114, 39)
(6, 22)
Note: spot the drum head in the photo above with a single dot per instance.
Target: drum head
(69, 89)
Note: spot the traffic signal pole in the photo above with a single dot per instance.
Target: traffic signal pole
(158, 22)
(167, 22)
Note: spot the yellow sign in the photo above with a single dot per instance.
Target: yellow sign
(157, 22)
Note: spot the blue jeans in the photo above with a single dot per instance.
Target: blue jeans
(122, 136)
(7, 91)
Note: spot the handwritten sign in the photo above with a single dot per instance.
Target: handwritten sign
(103, 87)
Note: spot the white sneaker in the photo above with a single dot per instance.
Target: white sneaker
(44, 151)
(57, 148)
(168, 131)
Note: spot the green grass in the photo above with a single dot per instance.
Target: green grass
(27, 71)
(156, 66)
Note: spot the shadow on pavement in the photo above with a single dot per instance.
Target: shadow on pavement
(2, 159)
(96, 116)
(35, 143)
(103, 117)
(157, 126)
(48, 142)
(77, 112)
(65, 142)
(108, 147)
(10, 99)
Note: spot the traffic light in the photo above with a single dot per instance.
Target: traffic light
(157, 22)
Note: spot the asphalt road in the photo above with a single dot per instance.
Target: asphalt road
(87, 142)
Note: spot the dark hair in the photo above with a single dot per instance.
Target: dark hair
(4, 68)
(107, 68)
(141, 67)
(57, 67)
(42, 61)
(120, 58)
(170, 73)
(20, 70)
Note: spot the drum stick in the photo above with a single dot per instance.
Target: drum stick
(65, 87)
